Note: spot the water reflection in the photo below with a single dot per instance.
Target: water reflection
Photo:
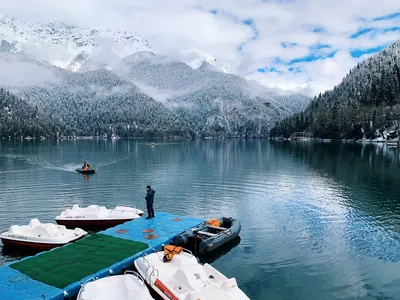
(319, 220)
(369, 175)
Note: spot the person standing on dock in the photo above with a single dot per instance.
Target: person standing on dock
(149, 201)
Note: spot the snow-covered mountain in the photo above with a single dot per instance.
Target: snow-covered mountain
(69, 46)
(150, 95)
(159, 74)
(115, 79)
(82, 49)
(195, 58)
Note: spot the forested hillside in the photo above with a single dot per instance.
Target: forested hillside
(363, 105)
(147, 98)
(103, 82)
(17, 118)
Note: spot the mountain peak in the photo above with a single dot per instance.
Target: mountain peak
(204, 66)
(80, 49)
(195, 58)
(69, 46)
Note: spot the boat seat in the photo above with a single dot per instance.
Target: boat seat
(191, 278)
(90, 210)
(61, 228)
(15, 229)
(54, 229)
(67, 212)
(217, 227)
(41, 232)
(34, 223)
(206, 233)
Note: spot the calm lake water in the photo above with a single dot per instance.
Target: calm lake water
(319, 220)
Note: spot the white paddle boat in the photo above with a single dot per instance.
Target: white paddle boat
(40, 236)
(95, 216)
(175, 274)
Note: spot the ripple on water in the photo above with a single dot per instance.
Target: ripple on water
(309, 230)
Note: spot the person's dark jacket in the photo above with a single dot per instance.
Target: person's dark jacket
(150, 196)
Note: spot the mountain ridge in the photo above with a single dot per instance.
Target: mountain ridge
(72, 46)
(137, 94)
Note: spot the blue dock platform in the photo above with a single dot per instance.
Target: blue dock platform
(19, 280)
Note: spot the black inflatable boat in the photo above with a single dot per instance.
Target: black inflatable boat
(88, 171)
(207, 236)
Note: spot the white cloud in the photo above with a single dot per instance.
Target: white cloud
(56, 55)
(328, 71)
(21, 74)
(159, 95)
(188, 24)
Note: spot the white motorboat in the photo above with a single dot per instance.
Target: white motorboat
(40, 236)
(95, 216)
(184, 278)
(129, 286)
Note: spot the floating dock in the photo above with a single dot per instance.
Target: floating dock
(59, 273)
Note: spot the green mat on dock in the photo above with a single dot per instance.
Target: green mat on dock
(69, 264)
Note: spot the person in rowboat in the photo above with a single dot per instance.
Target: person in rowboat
(86, 165)
(149, 202)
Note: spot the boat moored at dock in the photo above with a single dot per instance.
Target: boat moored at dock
(39, 236)
(210, 235)
(176, 274)
(95, 216)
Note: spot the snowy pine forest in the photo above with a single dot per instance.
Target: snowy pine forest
(17, 118)
(181, 102)
(61, 78)
(365, 105)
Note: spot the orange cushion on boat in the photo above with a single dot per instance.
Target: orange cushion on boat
(170, 251)
(214, 222)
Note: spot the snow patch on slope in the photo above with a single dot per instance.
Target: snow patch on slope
(195, 58)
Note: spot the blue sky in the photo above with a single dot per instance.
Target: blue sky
(363, 37)
(295, 45)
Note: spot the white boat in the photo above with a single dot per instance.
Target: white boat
(129, 286)
(95, 216)
(40, 236)
(184, 278)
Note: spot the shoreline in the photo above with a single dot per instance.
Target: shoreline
(394, 142)
(99, 138)
(359, 141)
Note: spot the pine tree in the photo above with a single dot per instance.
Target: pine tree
(366, 100)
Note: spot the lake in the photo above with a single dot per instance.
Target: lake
(319, 220)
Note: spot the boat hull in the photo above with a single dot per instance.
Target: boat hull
(97, 217)
(95, 224)
(27, 245)
(90, 171)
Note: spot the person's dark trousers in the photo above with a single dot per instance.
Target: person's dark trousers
(150, 210)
